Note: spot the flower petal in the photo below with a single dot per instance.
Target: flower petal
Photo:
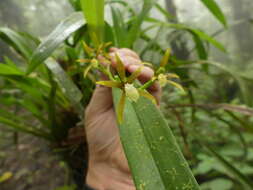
(146, 94)
(165, 58)
(88, 49)
(176, 85)
(83, 60)
(134, 75)
(112, 84)
(87, 69)
(120, 68)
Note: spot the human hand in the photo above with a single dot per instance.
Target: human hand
(108, 168)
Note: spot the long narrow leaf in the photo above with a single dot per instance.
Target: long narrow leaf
(135, 29)
(9, 70)
(93, 11)
(21, 128)
(66, 84)
(61, 33)
(202, 35)
(215, 10)
(17, 41)
(233, 171)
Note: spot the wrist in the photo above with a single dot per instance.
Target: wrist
(104, 176)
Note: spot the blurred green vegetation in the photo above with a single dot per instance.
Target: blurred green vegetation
(212, 121)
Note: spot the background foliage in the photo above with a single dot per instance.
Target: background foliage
(201, 119)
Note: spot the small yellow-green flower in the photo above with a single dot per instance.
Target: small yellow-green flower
(131, 92)
(126, 84)
(162, 79)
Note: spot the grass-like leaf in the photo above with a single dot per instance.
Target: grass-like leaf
(66, 84)
(119, 28)
(9, 70)
(135, 29)
(22, 128)
(94, 13)
(215, 10)
(58, 36)
(232, 170)
(17, 41)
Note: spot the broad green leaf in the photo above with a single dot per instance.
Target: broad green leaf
(57, 37)
(153, 155)
(93, 11)
(215, 10)
(17, 41)
(67, 86)
(9, 70)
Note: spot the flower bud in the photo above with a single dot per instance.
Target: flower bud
(131, 92)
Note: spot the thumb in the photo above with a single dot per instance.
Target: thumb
(101, 100)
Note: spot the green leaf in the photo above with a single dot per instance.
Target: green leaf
(215, 10)
(22, 128)
(119, 28)
(154, 157)
(123, 3)
(200, 47)
(17, 41)
(58, 36)
(93, 11)
(164, 12)
(135, 29)
(246, 93)
(195, 32)
(120, 68)
(232, 170)
(9, 70)
(67, 86)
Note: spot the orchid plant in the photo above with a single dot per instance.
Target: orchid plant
(129, 85)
